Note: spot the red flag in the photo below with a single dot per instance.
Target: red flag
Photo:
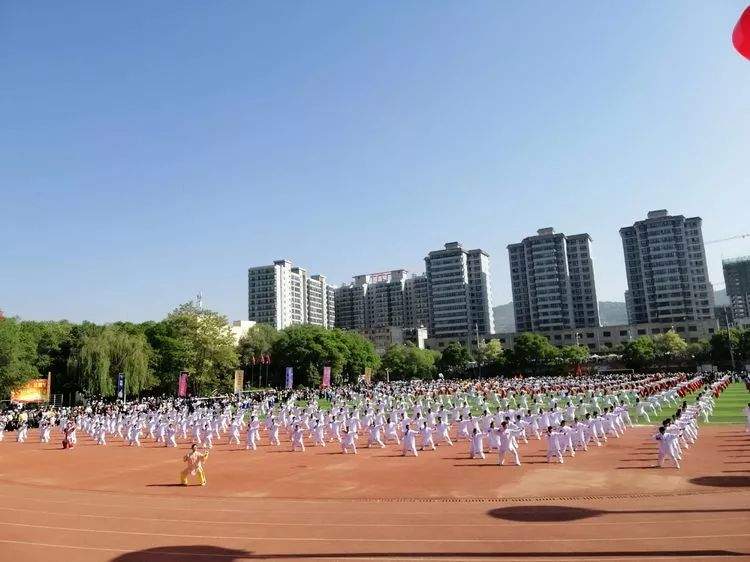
(741, 35)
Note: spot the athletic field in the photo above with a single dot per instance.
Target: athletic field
(123, 504)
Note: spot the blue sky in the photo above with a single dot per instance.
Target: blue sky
(149, 150)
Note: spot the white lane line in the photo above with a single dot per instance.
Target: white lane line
(717, 519)
(344, 556)
(266, 509)
(360, 540)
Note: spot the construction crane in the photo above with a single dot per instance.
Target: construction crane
(739, 236)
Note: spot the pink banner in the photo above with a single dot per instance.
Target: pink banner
(326, 377)
(182, 384)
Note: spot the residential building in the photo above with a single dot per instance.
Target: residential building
(606, 339)
(459, 292)
(552, 277)
(737, 281)
(383, 337)
(416, 302)
(331, 309)
(667, 276)
(240, 328)
(284, 295)
(372, 301)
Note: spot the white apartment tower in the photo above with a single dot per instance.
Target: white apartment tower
(459, 291)
(665, 262)
(552, 277)
(284, 295)
(386, 299)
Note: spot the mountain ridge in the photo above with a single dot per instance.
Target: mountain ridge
(610, 313)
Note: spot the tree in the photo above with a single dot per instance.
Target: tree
(17, 357)
(307, 349)
(257, 342)
(113, 350)
(490, 354)
(455, 358)
(359, 354)
(699, 352)
(743, 346)
(407, 361)
(171, 354)
(200, 343)
(639, 353)
(51, 345)
(573, 355)
(721, 342)
(532, 352)
(669, 347)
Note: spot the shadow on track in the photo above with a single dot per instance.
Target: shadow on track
(723, 481)
(203, 553)
(559, 513)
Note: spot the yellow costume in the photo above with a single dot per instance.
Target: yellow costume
(194, 460)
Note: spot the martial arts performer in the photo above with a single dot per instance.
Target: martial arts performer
(194, 460)
(410, 441)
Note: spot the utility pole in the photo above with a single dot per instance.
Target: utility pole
(477, 359)
(729, 340)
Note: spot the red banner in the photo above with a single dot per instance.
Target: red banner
(326, 377)
(182, 384)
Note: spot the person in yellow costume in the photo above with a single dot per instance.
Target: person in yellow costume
(194, 460)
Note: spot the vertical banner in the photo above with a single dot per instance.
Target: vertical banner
(289, 377)
(49, 385)
(121, 387)
(368, 374)
(239, 380)
(326, 377)
(182, 384)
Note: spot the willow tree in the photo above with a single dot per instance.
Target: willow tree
(112, 350)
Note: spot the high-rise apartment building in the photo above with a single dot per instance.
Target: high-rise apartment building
(416, 302)
(381, 299)
(552, 277)
(665, 263)
(737, 280)
(283, 295)
(459, 291)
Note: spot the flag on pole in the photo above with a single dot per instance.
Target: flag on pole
(289, 377)
(121, 386)
(182, 384)
(326, 377)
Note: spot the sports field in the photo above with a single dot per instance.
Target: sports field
(117, 503)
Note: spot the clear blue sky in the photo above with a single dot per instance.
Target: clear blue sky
(149, 150)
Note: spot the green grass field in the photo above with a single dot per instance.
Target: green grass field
(728, 407)
(730, 404)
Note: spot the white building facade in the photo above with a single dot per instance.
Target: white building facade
(665, 263)
(552, 277)
(459, 291)
(284, 295)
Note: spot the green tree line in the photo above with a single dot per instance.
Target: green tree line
(87, 357)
